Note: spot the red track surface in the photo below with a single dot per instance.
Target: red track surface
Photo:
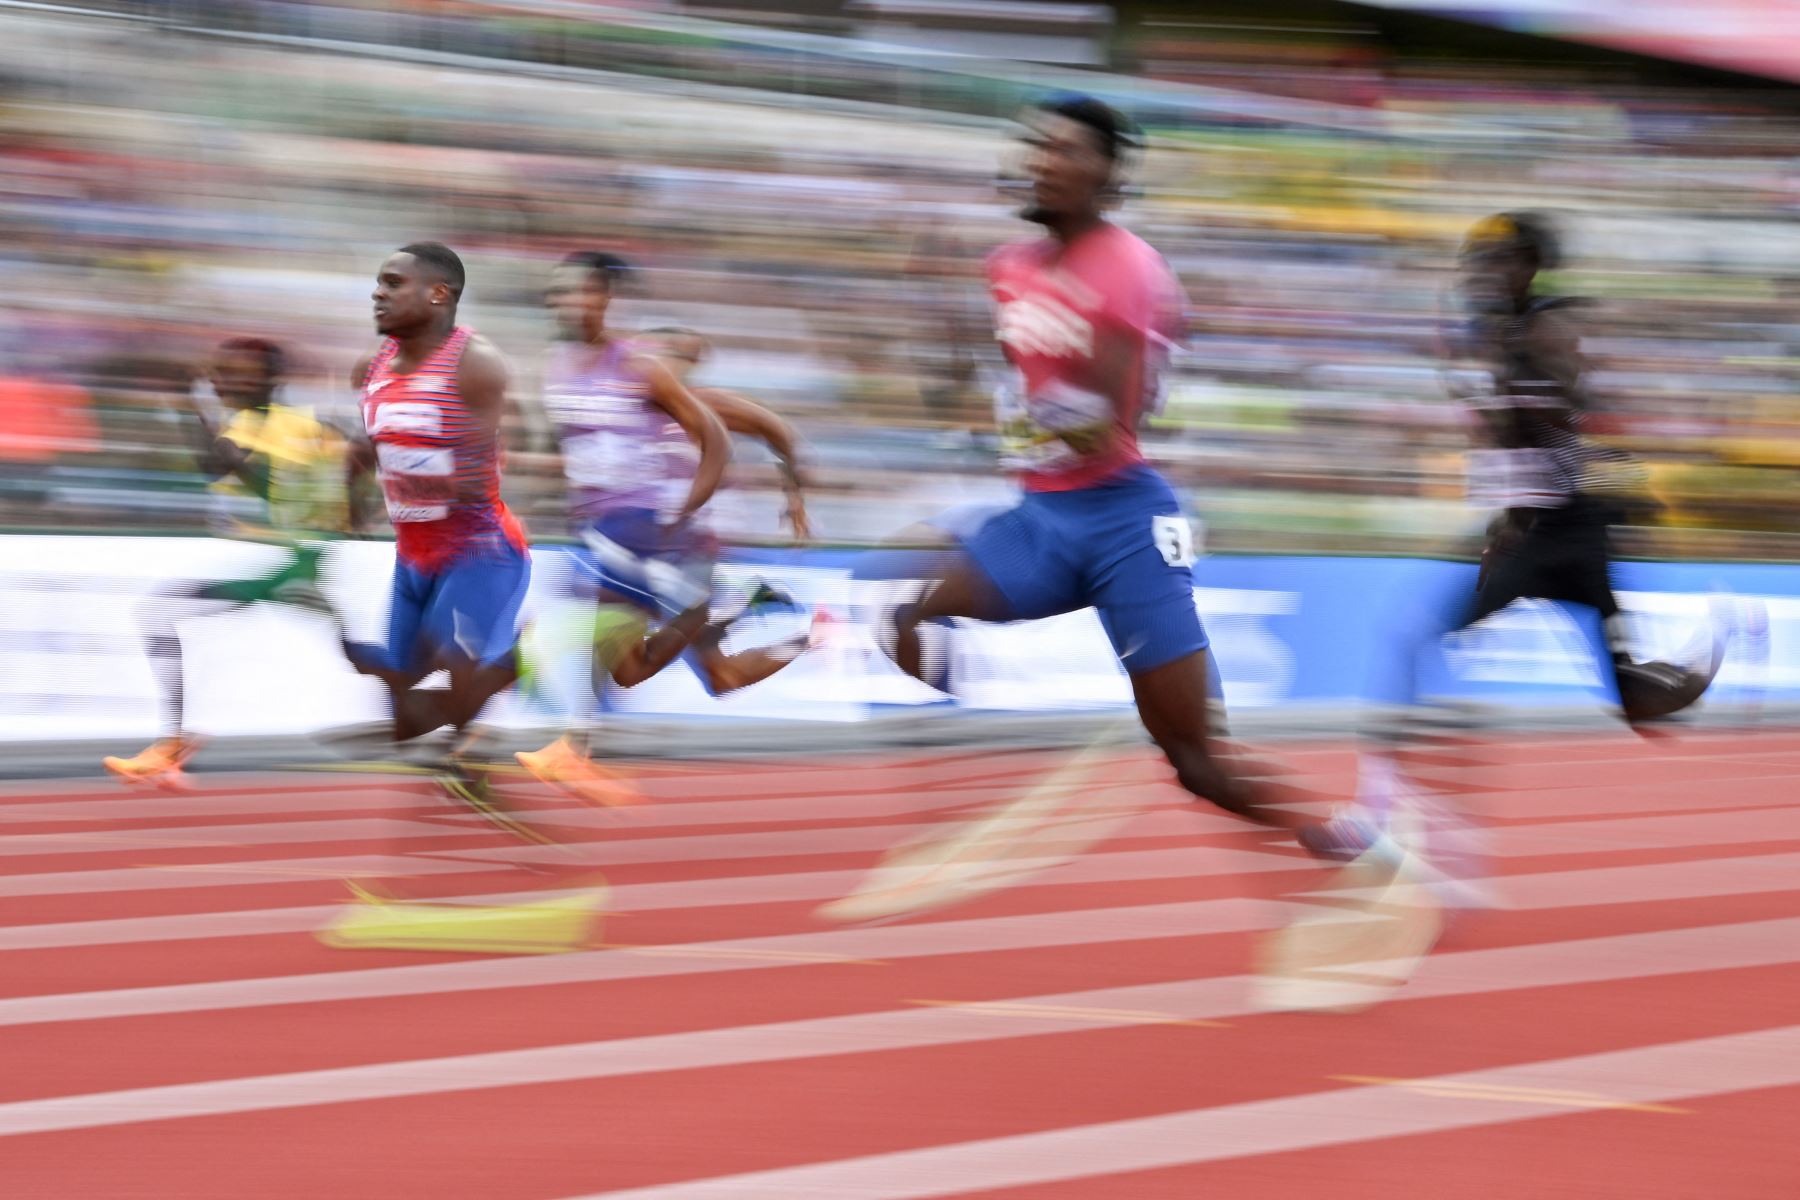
(1631, 1021)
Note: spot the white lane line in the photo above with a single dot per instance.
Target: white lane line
(1500, 1095)
(975, 936)
(1473, 972)
(262, 833)
(1097, 867)
(1647, 833)
(1695, 879)
(1536, 839)
(136, 806)
(231, 874)
(1691, 880)
(667, 807)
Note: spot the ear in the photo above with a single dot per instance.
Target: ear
(441, 294)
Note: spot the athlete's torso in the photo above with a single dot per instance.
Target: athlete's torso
(1535, 455)
(1056, 307)
(305, 460)
(620, 448)
(440, 471)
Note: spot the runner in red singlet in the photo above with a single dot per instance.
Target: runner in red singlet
(432, 398)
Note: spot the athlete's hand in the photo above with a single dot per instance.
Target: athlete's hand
(797, 520)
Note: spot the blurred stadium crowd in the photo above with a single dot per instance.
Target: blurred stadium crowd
(174, 173)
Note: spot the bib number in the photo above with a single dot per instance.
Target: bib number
(1174, 539)
(418, 483)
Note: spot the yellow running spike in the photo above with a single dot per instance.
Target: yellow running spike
(552, 926)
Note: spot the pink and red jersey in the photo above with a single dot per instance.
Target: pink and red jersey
(439, 470)
(1058, 309)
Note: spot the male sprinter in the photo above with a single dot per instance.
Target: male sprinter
(433, 394)
(1082, 314)
(281, 475)
(1558, 492)
(643, 456)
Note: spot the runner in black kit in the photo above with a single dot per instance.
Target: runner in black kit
(1558, 490)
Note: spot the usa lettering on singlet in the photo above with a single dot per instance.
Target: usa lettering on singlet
(1054, 305)
(439, 471)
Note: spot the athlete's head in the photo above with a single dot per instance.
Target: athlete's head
(1502, 255)
(245, 371)
(417, 286)
(1074, 157)
(581, 290)
(681, 348)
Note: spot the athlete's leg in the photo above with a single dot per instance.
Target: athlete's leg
(631, 663)
(1173, 702)
(472, 625)
(1578, 570)
(159, 616)
(400, 662)
(965, 591)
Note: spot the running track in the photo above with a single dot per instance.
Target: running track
(170, 1027)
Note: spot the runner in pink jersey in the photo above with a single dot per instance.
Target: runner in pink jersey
(1086, 316)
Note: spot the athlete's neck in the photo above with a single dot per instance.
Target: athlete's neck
(1066, 227)
(418, 346)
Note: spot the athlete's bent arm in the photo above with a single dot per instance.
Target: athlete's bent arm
(481, 380)
(703, 426)
(747, 417)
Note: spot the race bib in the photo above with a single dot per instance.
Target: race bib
(417, 482)
(598, 459)
(1032, 427)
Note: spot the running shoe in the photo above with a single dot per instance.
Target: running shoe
(158, 765)
(568, 770)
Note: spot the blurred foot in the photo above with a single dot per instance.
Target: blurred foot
(766, 595)
(568, 770)
(1344, 836)
(158, 765)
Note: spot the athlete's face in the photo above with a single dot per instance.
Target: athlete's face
(407, 295)
(1065, 167)
(1493, 280)
(579, 298)
(241, 379)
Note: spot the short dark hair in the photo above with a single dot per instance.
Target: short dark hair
(611, 269)
(441, 259)
(1111, 128)
(1532, 234)
(274, 358)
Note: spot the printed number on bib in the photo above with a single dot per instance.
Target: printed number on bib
(1174, 539)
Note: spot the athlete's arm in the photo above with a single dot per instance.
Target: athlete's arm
(703, 427)
(1088, 418)
(220, 456)
(747, 417)
(359, 463)
(481, 383)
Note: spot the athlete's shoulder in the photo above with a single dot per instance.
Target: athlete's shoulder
(481, 359)
(1132, 257)
(373, 357)
(1014, 257)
